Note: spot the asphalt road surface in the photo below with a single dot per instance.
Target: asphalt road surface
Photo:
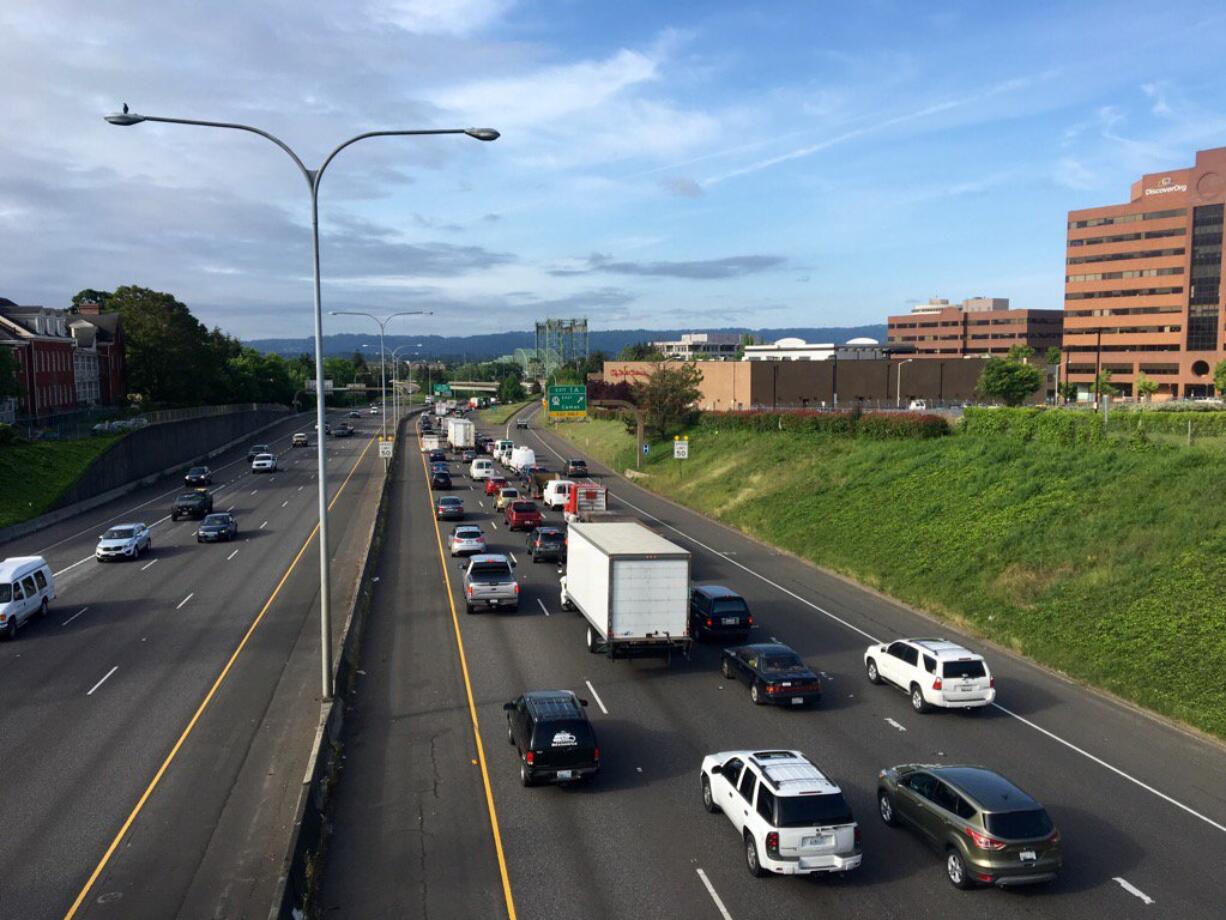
(97, 695)
(1140, 805)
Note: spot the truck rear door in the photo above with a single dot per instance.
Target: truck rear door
(650, 598)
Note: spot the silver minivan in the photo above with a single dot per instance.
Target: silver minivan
(27, 587)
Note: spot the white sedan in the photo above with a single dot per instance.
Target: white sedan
(123, 541)
(264, 463)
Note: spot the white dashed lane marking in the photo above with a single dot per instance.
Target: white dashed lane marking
(105, 676)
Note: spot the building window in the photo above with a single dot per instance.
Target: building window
(1205, 297)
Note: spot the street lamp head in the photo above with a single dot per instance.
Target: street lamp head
(482, 134)
(124, 118)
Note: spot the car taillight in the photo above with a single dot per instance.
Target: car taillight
(469, 590)
(749, 620)
(1054, 838)
(771, 688)
(936, 684)
(992, 683)
(772, 844)
(857, 835)
(516, 587)
(708, 622)
(530, 756)
(983, 841)
(596, 754)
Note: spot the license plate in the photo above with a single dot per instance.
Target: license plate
(797, 700)
(730, 621)
(566, 774)
(1028, 855)
(814, 842)
(493, 603)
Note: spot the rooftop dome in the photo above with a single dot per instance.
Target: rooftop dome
(863, 340)
(791, 343)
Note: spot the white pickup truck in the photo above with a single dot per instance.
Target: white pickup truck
(631, 585)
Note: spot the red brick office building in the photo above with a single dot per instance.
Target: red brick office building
(977, 326)
(1142, 290)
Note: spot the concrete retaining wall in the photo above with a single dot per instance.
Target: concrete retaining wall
(145, 455)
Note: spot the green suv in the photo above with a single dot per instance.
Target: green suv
(991, 832)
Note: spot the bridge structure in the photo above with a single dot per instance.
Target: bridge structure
(473, 386)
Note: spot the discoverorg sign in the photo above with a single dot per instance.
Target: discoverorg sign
(1165, 186)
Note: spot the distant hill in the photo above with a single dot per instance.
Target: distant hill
(494, 345)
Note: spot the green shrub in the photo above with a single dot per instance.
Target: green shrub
(1065, 427)
(876, 425)
(1204, 423)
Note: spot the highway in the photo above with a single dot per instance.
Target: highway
(125, 796)
(1139, 803)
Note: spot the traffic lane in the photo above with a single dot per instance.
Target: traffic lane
(718, 715)
(972, 741)
(411, 833)
(94, 749)
(1066, 709)
(508, 653)
(233, 787)
(84, 528)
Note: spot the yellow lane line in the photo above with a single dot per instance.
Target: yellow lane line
(472, 706)
(208, 698)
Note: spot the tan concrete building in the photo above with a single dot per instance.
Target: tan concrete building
(1142, 290)
(731, 385)
(977, 326)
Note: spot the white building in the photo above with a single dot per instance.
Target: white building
(700, 345)
(85, 362)
(790, 349)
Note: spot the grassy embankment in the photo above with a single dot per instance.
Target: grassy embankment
(499, 415)
(34, 475)
(1104, 562)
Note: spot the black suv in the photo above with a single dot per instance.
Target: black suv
(555, 740)
(547, 543)
(576, 468)
(192, 505)
(198, 476)
(719, 611)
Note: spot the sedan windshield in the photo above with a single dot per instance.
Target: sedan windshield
(119, 533)
(783, 663)
(816, 810)
(196, 471)
(218, 520)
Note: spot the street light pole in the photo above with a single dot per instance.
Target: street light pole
(898, 388)
(395, 381)
(382, 324)
(313, 178)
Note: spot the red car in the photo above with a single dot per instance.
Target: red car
(522, 515)
(494, 484)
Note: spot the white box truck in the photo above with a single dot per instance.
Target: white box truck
(521, 458)
(431, 442)
(460, 433)
(631, 585)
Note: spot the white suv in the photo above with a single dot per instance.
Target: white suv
(933, 672)
(791, 818)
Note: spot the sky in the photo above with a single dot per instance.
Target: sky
(662, 164)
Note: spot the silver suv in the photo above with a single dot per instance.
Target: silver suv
(490, 582)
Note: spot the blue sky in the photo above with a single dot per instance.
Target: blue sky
(661, 165)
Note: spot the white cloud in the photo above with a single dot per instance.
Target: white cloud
(446, 17)
(547, 96)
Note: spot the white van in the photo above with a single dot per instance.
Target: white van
(27, 587)
(556, 492)
(482, 468)
(521, 458)
(502, 450)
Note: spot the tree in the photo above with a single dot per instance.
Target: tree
(667, 398)
(510, 389)
(9, 384)
(1219, 378)
(1145, 387)
(641, 351)
(1009, 380)
(1054, 355)
(1068, 391)
(99, 297)
(1103, 385)
(171, 358)
(1021, 353)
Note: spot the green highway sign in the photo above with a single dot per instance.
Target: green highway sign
(567, 401)
(442, 389)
